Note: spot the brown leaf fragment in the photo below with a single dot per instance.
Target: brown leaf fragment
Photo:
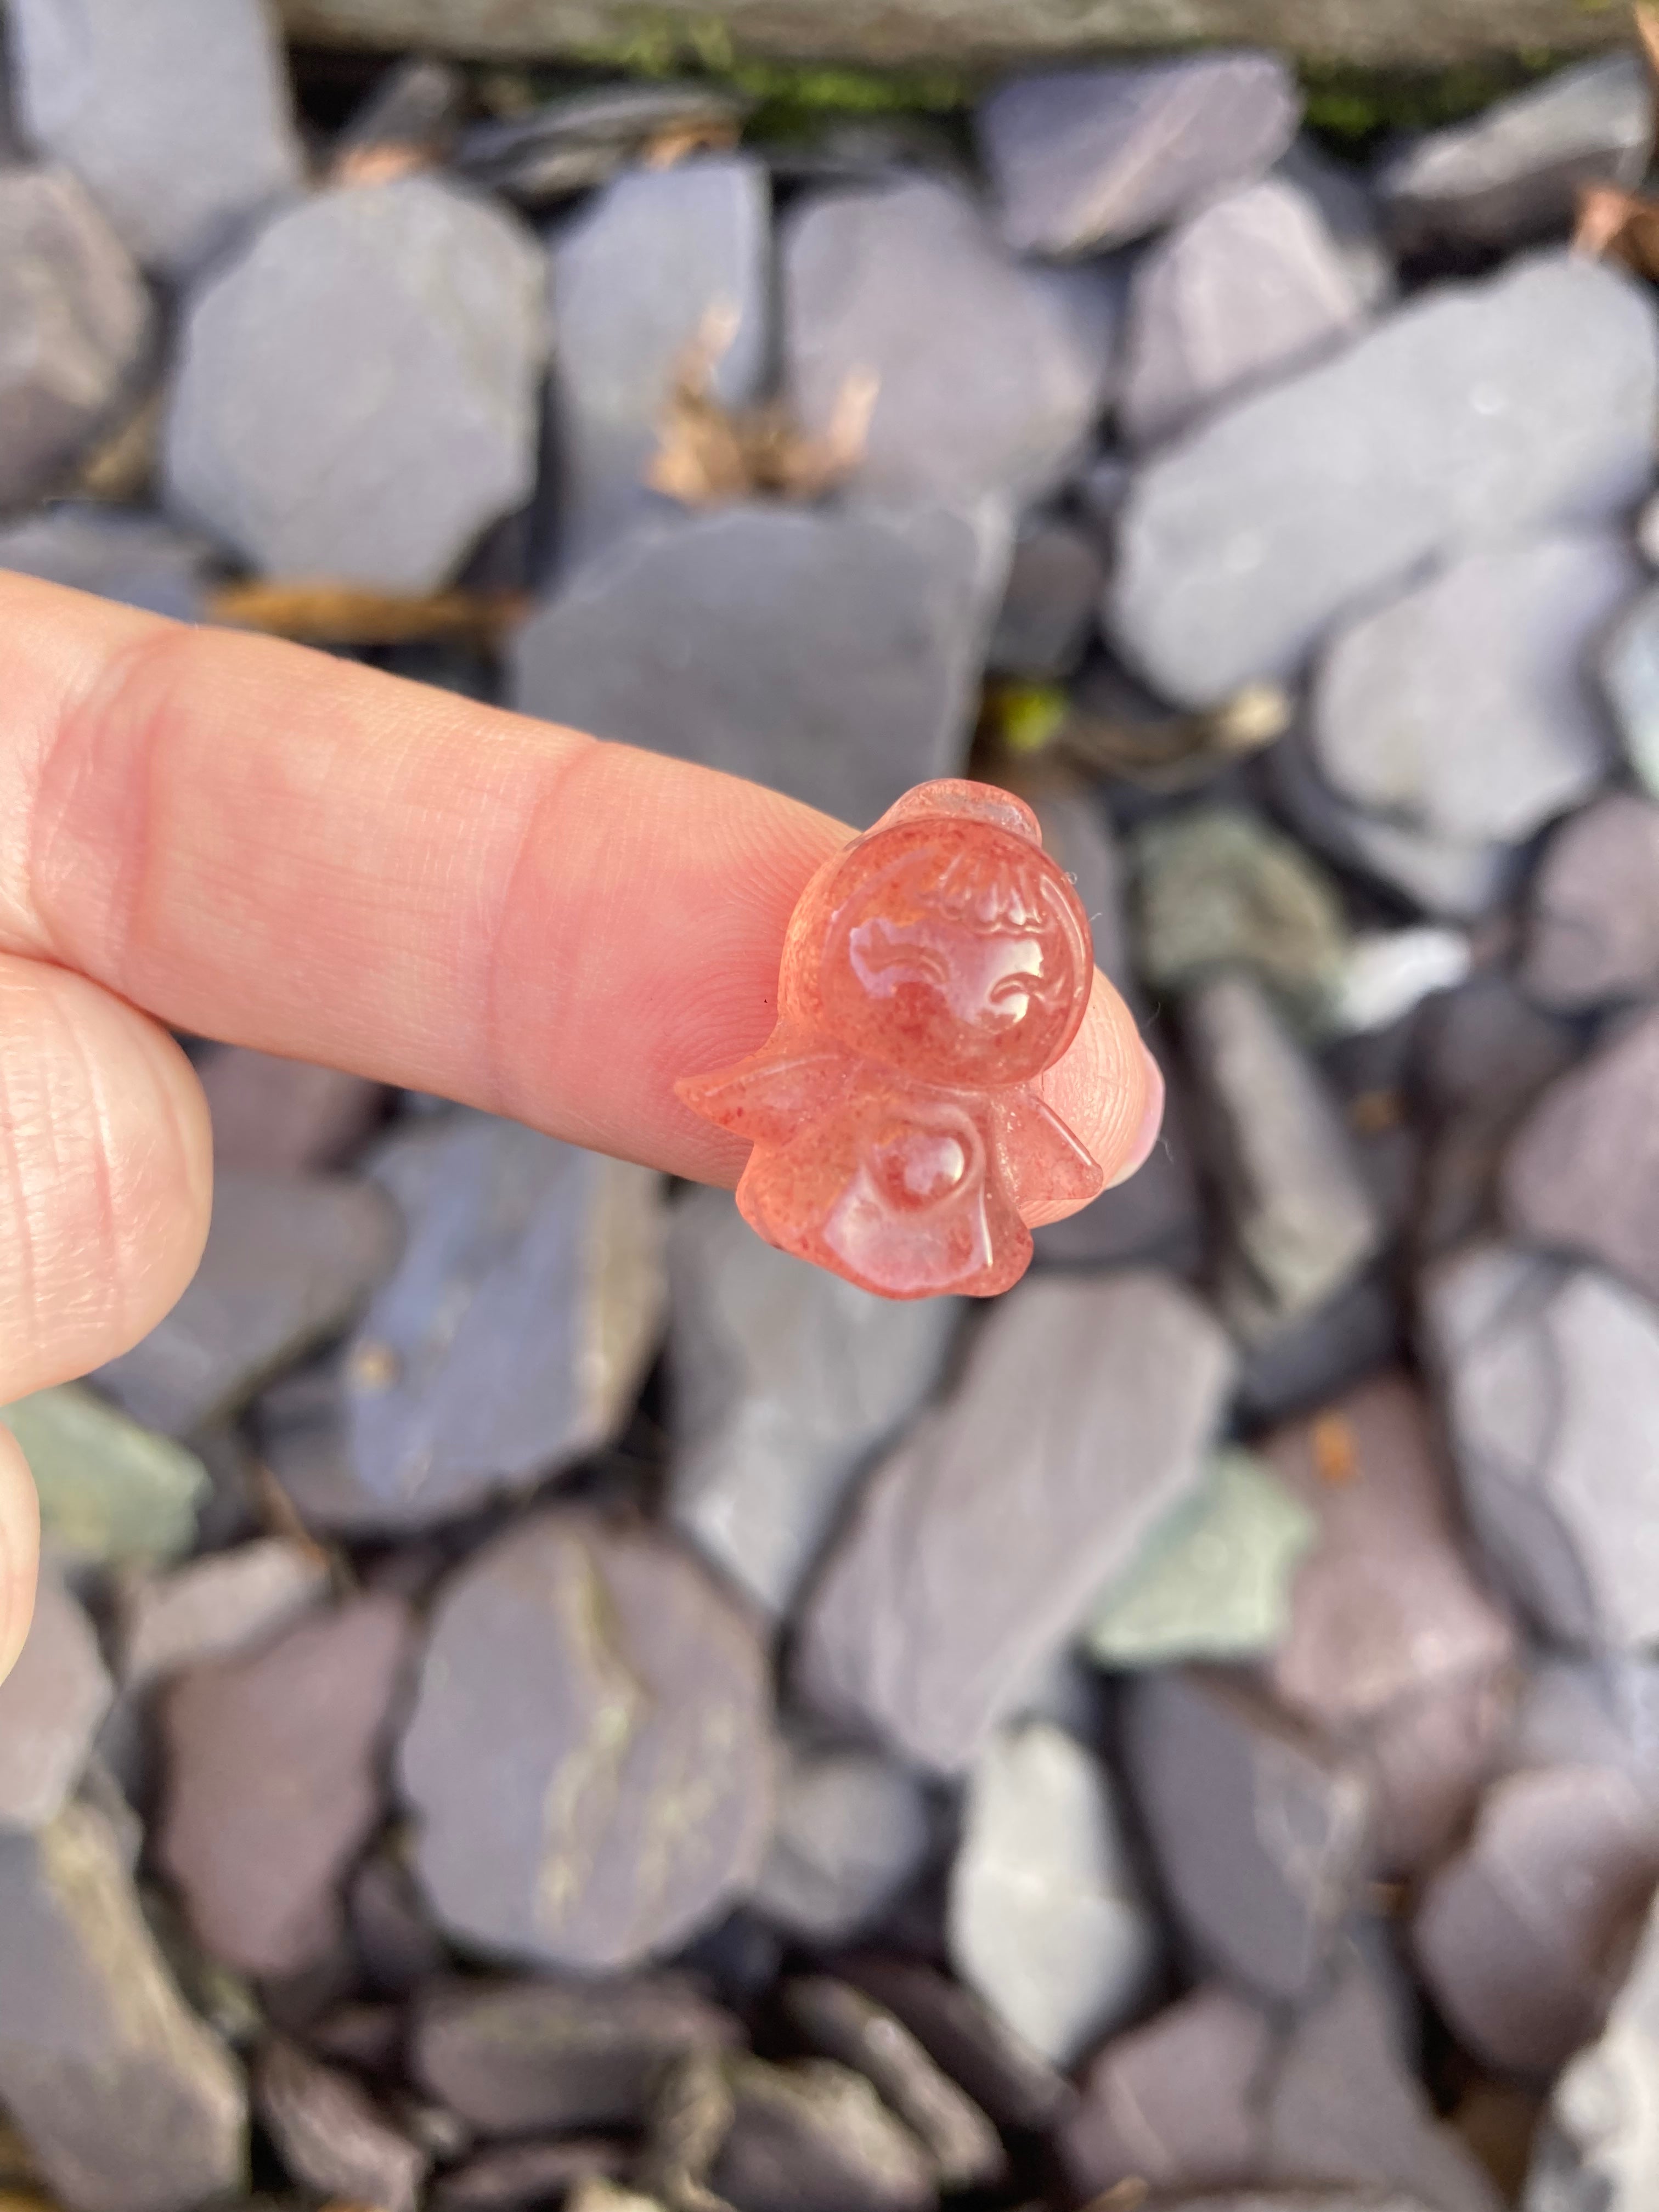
(321, 613)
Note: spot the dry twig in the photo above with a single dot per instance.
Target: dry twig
(324, 613)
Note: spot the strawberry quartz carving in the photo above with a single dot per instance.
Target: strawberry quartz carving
(932, 969)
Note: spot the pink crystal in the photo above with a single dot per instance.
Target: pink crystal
(932, 969)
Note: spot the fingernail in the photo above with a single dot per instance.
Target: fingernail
(1151, 1122)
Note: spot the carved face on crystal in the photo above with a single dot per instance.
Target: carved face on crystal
(956, 952)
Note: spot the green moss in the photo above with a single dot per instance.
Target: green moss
(669, 44)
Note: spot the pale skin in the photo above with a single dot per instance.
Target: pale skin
(245, 841)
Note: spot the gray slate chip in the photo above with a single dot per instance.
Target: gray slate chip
(176, 117)
(1092, 1402)
(852, 1829)
(1593, 930)
(650, 268)
(76, 321)
(127, 2100)
(832, 655)
(590, 1754)
(273, 1782)
(1522, 1938)
(329, 2135)
(813, 2137)
(1551, 1376)
(356, 396)
(1348, 208)
(1246, 289)
(1473, 417)
(583, 138)
(530, 2057)
(1464, 707)
(51, 1704)
(124, 554)
(1583, 1175)
(785, 1380)
(289, 1261)
(509, 1340)
(1258, 1828)
(1512, 174)
(1085, 158)
(1300, 1220)
(1048, 612)
(224, 1602)
(990, 373)
(1046, 1917)
(839, 2022)
(507, 2176)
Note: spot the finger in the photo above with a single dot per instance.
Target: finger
(266, 845)
(105, 1174)
(20, 1549)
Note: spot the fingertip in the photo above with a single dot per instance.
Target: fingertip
(20, 1550)
(1109, 1091)
(1151, 1123)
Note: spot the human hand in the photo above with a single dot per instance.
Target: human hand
(250, 841)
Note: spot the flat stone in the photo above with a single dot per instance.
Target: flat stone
(289, 1261)
(1551, 1378)
(1248, 288)
(77, 321)
(1629, 669)
(129, 2103)
(509, 1340)
(1138, 2117)
(529, 2058)
(584, 138)
(1345, 2105)
(590, 1754)
(1598, 1712)
(1464, 707)
(990, 373)
(395, 1942)
(51, 1704)
(1390, 972)
(1046, 1920)
(1349, 209)
(1093, 1400)
(356, 394)
(111, 1493)
(1429, 1757)
(831, 655)
(813, 2137)
(1337, 1344)
(225, 1602)
(273, 1784)
(1383, 1607)
(1301, 1221)
(284, 1116)
(1082, 159)
(1583, 1175)
(1593, 929)
(785, 1380)
(1258, 1827)
(1513, 173)
(852, 1829)
(1048, 612)
(1445, 876)
(1522, 1938)
(1473, 416)
(180, 126)
(329, 2135)
(124, 554)
(411, 113)
(507, 2176)
(839, 2022)
(998, 2069)
(1213, 1581)
(658, 263)
(1598, 2143)
(1217, 887)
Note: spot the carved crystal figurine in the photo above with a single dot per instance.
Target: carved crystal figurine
(932, 969)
